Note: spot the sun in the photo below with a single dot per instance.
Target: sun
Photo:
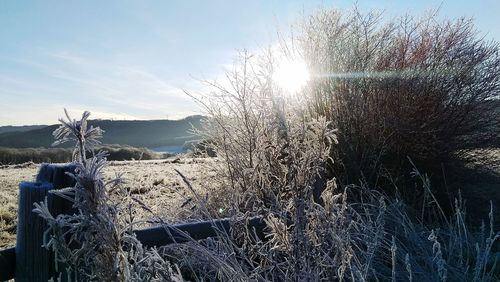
(291, 75)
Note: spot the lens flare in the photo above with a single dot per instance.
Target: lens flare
(291, 75)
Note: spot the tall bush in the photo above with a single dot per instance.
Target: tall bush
(422, 88)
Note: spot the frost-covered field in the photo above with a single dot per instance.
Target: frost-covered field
(153, 182)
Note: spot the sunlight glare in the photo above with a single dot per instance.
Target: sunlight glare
(291, 75)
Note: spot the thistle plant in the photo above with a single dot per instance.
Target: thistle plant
(77, 131)
(97, 242)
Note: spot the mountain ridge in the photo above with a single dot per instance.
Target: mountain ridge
(19, 128)
(137, 133)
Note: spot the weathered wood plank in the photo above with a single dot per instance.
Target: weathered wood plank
(32, 260)
(58, 176)
(181, 233)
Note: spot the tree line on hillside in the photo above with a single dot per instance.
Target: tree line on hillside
(10, 156)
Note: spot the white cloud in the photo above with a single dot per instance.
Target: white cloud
(76, 113)
(120, 87)
(108, 89)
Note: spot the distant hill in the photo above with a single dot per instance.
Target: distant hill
(10, 128)
(137, 133)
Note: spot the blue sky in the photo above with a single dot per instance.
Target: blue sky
(131, 59)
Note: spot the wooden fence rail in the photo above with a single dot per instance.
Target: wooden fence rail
(28, 261)
(151, 237)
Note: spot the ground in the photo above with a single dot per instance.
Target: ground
(162, 190)
(154, 182)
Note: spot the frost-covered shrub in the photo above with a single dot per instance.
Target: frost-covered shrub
(273, 156)
(423, 88)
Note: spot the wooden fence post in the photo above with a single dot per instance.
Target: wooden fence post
(57, 175)
(33, 262)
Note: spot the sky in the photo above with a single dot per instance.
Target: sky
(133, 59)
